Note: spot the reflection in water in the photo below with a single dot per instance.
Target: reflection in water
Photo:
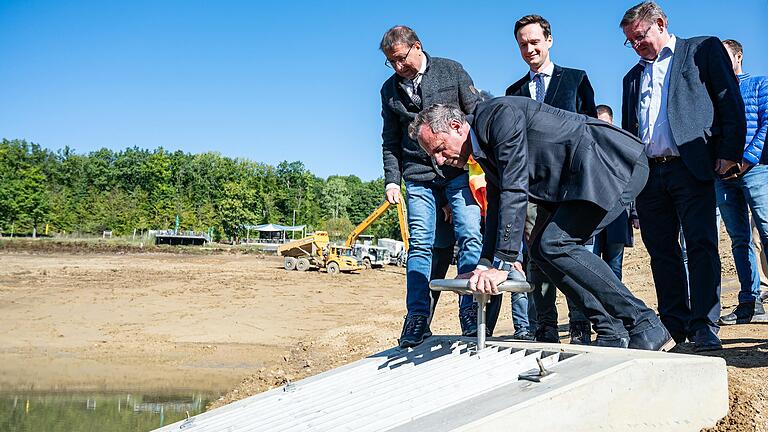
(96, 412)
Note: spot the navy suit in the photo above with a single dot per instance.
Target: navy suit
(706, 117)
(569, 90)
(585, 172)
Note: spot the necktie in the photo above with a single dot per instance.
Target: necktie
(539, 80)
(415, 95)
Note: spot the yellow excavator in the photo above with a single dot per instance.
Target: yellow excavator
(368, 221)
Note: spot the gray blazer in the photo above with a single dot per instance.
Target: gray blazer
(444, 81)
(530, 149)
(704, 105)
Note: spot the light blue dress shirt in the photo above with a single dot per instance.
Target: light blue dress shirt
(654, 129)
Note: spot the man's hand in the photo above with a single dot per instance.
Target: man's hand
(722, 166)
(448, 213)
(517, 265)
(636, 223)
(485, 281)
(393, 195)
(745, 166)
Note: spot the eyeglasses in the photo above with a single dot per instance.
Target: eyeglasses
(635, 42)
(391, 63)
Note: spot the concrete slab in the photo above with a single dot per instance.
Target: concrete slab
(445, 384)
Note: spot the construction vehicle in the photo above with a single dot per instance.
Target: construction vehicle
(316, 250)
(376, 253)
(372, 256)
(396, 249)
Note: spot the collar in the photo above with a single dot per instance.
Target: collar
(743, 76)
(477, 152)
(548, 71)
(424, 66)
(666, 51)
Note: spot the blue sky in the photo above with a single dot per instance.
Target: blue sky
(290, 80)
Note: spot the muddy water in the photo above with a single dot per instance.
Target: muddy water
(85, 412)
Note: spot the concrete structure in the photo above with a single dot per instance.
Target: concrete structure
(445, 384)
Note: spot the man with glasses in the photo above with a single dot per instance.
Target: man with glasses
(682, 100)
(421, 80)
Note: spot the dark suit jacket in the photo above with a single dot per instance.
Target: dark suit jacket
(569, 89)
(529, 149)
(704, 105)
(444, 81)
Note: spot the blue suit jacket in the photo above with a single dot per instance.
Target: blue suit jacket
(569, 89)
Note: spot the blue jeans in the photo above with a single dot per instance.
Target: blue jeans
(611, 253)
(736, 198)
(423, 212)
(523, 313)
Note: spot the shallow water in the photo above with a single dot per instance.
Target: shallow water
(85, 412)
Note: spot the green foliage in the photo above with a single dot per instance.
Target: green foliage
(139, 189)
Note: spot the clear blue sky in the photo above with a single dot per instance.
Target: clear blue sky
(287, 80)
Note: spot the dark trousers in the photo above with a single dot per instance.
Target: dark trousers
(671, 198)
(585, 278)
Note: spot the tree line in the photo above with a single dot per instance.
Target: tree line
(140, 189)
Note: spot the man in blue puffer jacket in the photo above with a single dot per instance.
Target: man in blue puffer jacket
(745, 191)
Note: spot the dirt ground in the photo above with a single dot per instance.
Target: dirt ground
(239, 324)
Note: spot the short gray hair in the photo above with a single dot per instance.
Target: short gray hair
(437, 117)
(398, 35)
(647, 12)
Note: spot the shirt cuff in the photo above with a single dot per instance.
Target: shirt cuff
(502, 265)
(392, 186)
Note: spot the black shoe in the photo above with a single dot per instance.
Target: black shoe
(679, 337)
(764, 296)
(745, 313)
(523, 335)
(547, 334)
(654, 339)
(415, 330)
(468, 321)
(706, 340)
(580, 332)
(621, 342)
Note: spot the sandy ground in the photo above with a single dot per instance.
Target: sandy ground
(240, 324)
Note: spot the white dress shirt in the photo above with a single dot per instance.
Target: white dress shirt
(411, 87)
(546, 75)
(654, 129)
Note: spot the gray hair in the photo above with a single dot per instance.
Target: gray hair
(647, 12)
(437, 117)
(398, 35)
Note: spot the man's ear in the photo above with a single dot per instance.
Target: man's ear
(455, 125)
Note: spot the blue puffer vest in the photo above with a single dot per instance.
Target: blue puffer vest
(754, 91)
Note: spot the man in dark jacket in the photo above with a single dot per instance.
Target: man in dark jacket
(570, 90)
(420, 80)
(682, 100)
(609, 243)
(584, 171)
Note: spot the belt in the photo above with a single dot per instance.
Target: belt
(662, 159)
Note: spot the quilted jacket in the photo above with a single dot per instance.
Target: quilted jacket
(754, 91)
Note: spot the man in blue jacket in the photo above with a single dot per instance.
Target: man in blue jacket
(747, 191)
